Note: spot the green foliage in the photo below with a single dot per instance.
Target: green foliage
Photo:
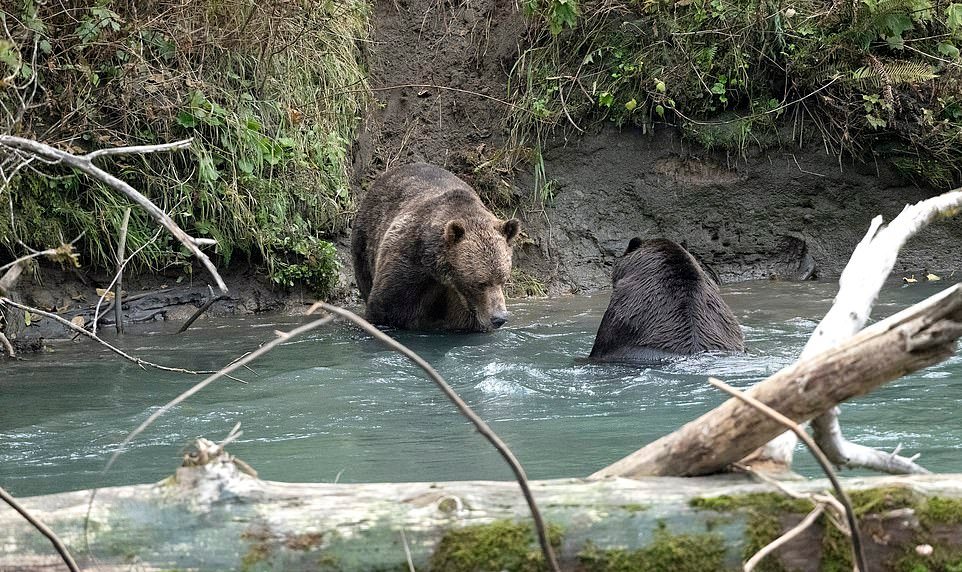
(271, 93)
(874, 77)
(317, 270)
(559, 14)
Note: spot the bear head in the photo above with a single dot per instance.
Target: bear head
(476, 265)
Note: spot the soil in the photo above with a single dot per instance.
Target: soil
(439, 71)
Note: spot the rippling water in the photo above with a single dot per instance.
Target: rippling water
(336, 406)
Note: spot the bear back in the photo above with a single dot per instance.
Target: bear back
(663, 303)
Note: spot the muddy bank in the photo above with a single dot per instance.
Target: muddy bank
(787, 215)
(149, 299)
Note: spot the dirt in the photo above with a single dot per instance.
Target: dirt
(780, 215)
(439, 72)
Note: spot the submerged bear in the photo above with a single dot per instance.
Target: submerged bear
(663, 304)
(428, 255)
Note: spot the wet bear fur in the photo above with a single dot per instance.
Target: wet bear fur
(663, 304)
(428, 255)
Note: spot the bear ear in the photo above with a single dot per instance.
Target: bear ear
(510, 229)
(633, 245)
(453, 231)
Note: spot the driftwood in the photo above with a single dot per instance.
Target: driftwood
(868, 268)
(215, 517)
(910, 340)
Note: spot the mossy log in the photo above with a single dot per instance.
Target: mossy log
(214, 517)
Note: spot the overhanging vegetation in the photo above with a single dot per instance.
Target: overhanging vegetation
(272, 93)
(871, 78)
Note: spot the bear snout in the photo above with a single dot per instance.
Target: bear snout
(498, 319)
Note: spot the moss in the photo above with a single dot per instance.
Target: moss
(773, 502)
(634, 507)
(760, 530)
(305, 541)
(882, 499)
(675, 552)
(940, 510)
(763, 524)
(260, 547)
(501, 545)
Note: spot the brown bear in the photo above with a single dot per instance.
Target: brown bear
(663, 304)
(428, 254)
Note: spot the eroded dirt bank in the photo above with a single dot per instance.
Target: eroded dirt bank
(788, 214)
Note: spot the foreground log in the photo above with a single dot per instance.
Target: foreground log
(215, 517)
(908, 341)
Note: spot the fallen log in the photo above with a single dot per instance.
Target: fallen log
(908, 341)
(216, 517)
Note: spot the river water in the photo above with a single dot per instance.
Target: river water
(335, 405)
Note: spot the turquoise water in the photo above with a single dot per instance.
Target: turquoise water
(335, 405)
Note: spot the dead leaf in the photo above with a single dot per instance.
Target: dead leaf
(78, 321)
(932, 278)
(909, 280)
(107, 294)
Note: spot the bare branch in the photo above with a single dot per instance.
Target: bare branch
(465, 410)
(775, 544)
(138, 149)
(7, 345)
(66, 323)
(84, 165)
(819, 456)
(43, 529)
(118, 288)
(113, 281)
(200, 311)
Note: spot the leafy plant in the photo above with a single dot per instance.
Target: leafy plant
(875, 74)
(271, 93)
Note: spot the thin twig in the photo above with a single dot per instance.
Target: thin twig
(117, 275)
(7, 345)
(43, 529)
(281, 337)
(48, 252)
(465, 410)
(407, 552)
(775, 544)
(200, 311)
(138, 149)
(66, 323)
(819, 456)
(118, 288)
(84, 165)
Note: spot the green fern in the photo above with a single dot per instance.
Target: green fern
(893, 73)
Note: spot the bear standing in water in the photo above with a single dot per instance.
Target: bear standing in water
(428, 255)
(663, 304)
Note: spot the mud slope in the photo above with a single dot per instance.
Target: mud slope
(778, 215)
(467, 48)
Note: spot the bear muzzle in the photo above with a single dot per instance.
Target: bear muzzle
(498, 319)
